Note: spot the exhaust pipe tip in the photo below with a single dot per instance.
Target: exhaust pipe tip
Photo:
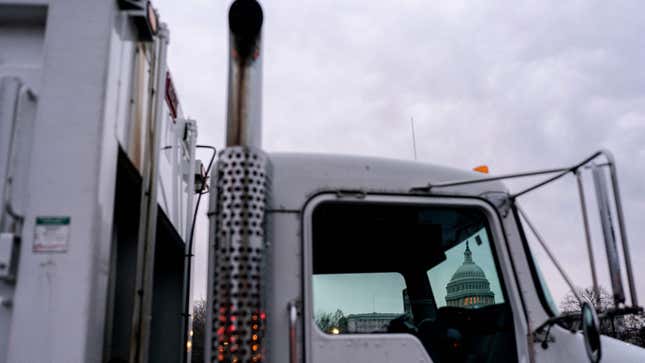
(245, 20)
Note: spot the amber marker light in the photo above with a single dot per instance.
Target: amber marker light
(481, 169)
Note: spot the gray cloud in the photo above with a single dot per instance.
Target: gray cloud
(515, 86)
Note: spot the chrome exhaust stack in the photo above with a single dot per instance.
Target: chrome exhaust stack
(237, 238)
(244, 120)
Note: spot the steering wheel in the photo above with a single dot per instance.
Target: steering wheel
(402, 324)
(443, 343)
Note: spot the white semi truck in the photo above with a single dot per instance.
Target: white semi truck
(322, 258)
(312, 258)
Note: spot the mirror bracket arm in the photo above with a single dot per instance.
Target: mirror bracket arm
(543, 336)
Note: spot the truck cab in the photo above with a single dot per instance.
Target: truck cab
(416, 276)
(436, 264)
(326, 258)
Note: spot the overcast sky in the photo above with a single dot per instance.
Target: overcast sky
(514, 85)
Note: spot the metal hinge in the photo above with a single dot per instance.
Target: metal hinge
(500, 200)
(8, 256)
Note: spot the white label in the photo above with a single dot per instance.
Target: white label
(51, 234)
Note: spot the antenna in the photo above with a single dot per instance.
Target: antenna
(414, 139)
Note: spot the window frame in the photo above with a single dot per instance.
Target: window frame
(499, 249)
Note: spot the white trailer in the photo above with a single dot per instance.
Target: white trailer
(97, 175)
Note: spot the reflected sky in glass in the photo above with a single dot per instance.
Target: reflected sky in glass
(359, 293)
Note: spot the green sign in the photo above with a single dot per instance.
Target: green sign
(51, 234)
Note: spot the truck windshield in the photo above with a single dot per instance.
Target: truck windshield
(429, 271)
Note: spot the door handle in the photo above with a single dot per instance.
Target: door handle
(293, 319)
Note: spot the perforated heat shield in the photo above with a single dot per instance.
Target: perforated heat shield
(237, 318)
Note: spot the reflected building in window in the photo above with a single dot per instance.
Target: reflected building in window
(469, 286)
(369, 323)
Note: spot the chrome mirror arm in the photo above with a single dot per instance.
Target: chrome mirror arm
(621, 226)
(585, 220)
(559, 173)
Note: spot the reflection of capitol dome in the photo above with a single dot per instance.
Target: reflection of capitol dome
(469, 285)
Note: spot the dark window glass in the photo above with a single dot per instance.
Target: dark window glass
(426, 271)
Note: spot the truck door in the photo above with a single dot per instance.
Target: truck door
(408, 279)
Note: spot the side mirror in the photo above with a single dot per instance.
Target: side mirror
(591, 331)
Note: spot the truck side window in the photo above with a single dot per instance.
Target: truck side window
(428, 271)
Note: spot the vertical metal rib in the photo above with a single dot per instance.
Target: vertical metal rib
(144, 280)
